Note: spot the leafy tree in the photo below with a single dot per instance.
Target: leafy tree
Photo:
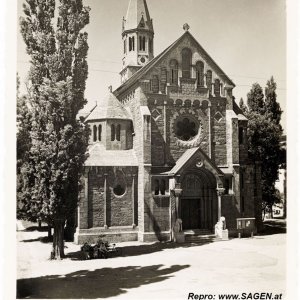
(255, 99)
(23, 146)
(264, 132)
(272, 106)
(58, 73)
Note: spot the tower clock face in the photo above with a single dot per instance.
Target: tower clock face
(142, 60)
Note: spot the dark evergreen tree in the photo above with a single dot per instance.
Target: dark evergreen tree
(58, 52)
(23, 147)
(255, 99)
(264, 133)
(272, 106)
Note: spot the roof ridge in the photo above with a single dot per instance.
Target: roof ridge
(110, 108)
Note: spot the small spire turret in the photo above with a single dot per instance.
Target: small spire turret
(137, 35)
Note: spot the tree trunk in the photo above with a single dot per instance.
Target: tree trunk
(271, 208)
(264, 214)
(49, 231)
(58, 240)
(40, 224)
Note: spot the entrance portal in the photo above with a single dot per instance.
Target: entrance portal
(190, 213)
(197, 201)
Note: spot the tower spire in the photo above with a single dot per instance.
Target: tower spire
(137, 36)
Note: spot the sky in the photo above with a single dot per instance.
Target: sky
(246, 38)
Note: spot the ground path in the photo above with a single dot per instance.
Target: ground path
(153, 271)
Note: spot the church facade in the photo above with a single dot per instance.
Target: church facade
(169, 143)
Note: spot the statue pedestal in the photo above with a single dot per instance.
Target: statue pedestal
(221, 234)
(220, 231)
(179, 237)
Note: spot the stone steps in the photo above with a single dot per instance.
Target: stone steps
(199, 236)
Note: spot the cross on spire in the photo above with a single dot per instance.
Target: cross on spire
(186, 27)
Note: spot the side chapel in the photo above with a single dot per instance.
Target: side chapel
(170, 142)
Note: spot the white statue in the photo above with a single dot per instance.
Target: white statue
(178, 225)
(220, 229)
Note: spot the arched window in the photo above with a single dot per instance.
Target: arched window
(162, 187)
(156, 187)
(241, 135)
(131, 43)
(200, 73)
(186, 129)
(113, 132)
(118, 132)
(209, 79)
(186, 63)
(99, 132)
(142, 42)
(163, 79)
(174, 72)
(95, 133)
(155, 84)
(217, 87)
(150, 46)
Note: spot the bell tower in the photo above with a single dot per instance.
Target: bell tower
(137, 36)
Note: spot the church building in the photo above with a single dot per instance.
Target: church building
(169, 143)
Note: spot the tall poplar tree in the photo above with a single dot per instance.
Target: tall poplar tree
(255, 99)
(272, 106)
(264, 132)
(58, 50)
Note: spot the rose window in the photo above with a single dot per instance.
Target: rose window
(186, 129)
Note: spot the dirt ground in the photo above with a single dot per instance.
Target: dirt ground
(153, 271)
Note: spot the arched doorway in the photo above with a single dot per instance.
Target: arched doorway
(198, 200)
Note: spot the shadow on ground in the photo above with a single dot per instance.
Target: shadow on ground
(273, 226)
(135, 250)
(100, 283)
(42, 239)
(36, 228)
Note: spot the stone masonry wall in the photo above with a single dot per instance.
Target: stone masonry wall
(218, 116)
(119, 209)
(166, 112)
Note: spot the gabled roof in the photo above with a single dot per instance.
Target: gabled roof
(187, 156)
(138, 16)
(109, 108)
(133, 79)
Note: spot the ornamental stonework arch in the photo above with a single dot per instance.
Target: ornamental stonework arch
(193, 115)
(193, 102)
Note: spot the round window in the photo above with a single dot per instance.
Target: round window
(186, 129)
(119, 190)
(143, 59)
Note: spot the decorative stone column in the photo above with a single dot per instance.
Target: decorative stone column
(220, 192)
(133, 204)
(84, 216)
(220, 228)
(209, 130)
(176, 230)
(177, 192)
(105, 202)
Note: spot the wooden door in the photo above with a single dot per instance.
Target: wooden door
(190, 213)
